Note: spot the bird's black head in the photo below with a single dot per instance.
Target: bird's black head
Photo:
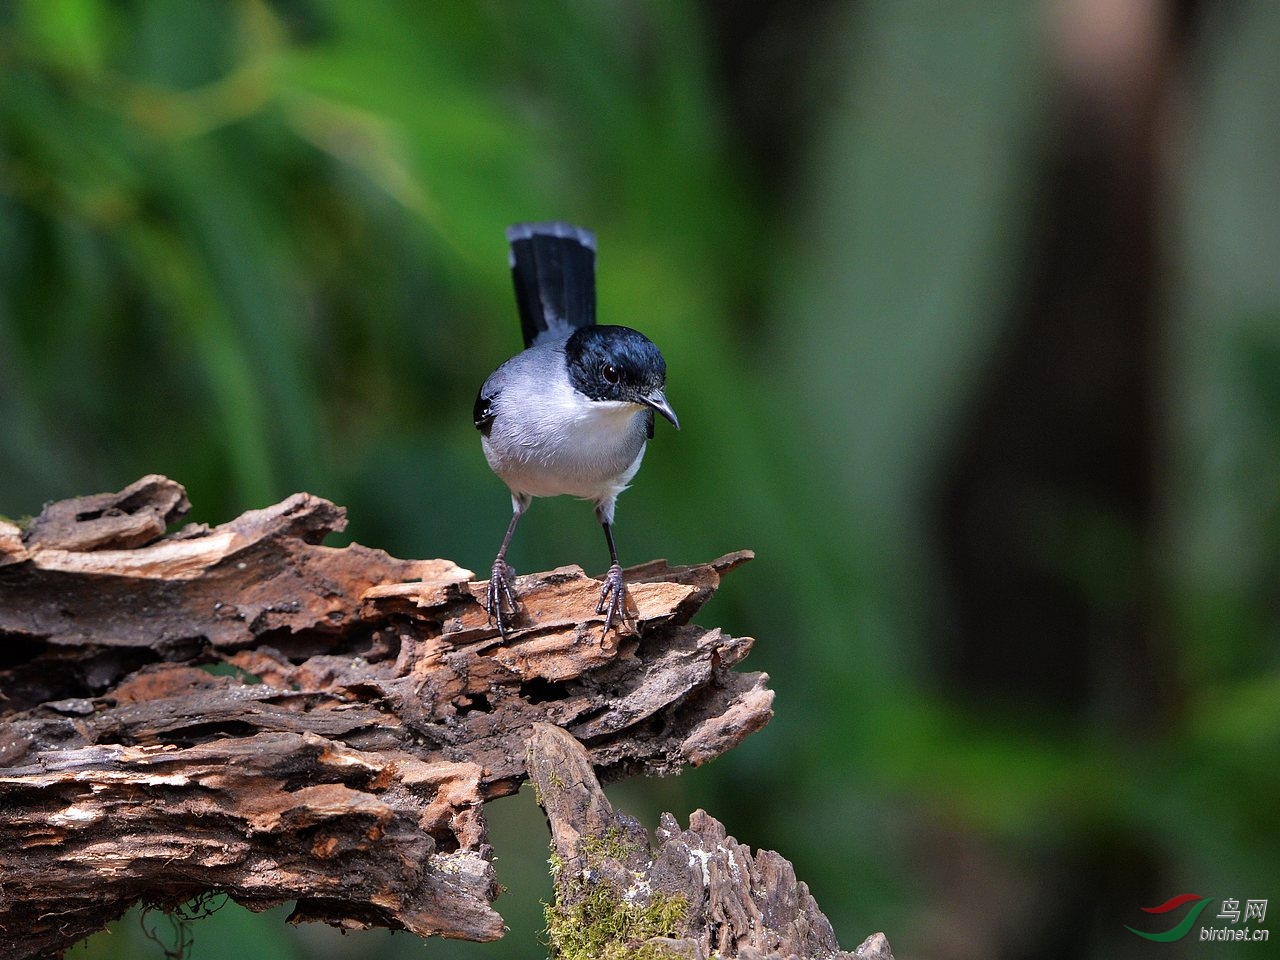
(618, 363)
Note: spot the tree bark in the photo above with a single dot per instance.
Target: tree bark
(698, 894)
(246, 711)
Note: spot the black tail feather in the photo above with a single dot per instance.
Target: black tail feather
(553, 266)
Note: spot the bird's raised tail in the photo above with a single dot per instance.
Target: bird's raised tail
(553, 266)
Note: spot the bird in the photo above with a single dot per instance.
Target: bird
(572, 413)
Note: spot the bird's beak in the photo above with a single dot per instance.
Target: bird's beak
(658, 400)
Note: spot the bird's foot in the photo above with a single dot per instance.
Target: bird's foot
(501, 594)
(612, 597)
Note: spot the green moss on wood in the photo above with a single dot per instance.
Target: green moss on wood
(593, 920)
(602, 925)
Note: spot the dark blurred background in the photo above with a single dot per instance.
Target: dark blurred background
(972, 316)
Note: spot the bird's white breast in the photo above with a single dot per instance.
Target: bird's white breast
(547, 439)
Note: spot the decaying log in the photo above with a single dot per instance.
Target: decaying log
(698, 894)
(242, 709)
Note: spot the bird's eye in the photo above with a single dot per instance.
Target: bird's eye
(609, 372)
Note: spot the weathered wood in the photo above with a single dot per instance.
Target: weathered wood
(698, 894)
(241, 709)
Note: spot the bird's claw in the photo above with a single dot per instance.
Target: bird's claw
(612, 597)
(501, 593)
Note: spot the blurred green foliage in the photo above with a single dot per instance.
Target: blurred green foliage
(258, 247)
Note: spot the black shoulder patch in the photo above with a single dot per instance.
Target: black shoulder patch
(482, 413)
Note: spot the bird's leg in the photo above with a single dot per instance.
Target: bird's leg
(614, 590)
(501, 577)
